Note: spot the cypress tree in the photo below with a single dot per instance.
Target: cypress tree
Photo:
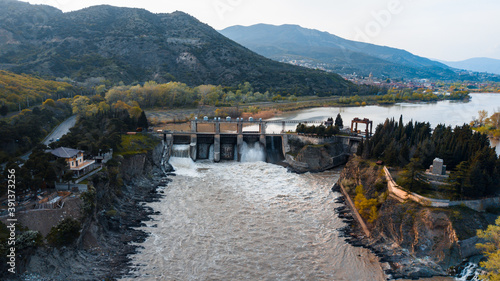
(338, 121)
(142, 121)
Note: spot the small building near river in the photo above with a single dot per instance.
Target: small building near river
(75, 160)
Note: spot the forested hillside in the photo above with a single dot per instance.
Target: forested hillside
(134, 45)
(21, 91)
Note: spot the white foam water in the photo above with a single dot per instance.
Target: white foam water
(252, 152)
(249, 221)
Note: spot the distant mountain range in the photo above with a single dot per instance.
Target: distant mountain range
(476, 64)
(316, 49)
(124, 44)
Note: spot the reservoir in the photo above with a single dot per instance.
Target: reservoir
(443, 112)
(453, 113)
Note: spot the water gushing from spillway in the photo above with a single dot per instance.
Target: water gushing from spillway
(211, 153)
(252, 152)
(248, 221)
(180, 150)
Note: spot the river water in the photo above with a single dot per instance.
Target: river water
(443, 112)
(256, 221)
(454, 113)
(249, 221)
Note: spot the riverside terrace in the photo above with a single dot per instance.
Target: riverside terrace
(223, 139)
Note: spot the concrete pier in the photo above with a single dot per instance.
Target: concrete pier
(239, 145)
(227, 140)
(193, 147)
(217, 148)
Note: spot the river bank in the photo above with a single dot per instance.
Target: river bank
(411, 241)
(109, 235)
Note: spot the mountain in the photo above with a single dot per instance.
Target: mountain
(292, 43)
(134, 45)
(477, 64)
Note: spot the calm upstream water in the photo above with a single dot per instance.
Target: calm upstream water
(256, 221)
(443, 112)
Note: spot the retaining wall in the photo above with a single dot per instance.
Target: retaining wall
(478, 205)
(358, 217)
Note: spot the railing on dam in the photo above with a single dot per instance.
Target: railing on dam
(231, 126)
(223, 139)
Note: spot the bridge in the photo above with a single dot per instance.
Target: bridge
(222, 139)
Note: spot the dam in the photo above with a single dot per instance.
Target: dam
(227, 139)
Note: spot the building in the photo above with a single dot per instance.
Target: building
(437, 167)
(437, 172)
(75, 160)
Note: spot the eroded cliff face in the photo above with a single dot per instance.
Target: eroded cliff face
(104, 244)
(417, 241)
(412, 240)
(316, 157)
(140, 165)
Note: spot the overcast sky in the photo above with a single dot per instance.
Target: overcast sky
(439, 29)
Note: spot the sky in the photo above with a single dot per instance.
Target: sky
(450, 30)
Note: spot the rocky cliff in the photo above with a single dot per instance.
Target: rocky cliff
(111, 224)
(307, 157)
(412, 240)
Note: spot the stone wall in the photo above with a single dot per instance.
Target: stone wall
(358, 217)
(42, 220)
(478, 205)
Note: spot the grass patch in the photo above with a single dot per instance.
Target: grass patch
(137, 144)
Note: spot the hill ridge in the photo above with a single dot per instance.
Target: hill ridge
(337, 54)
(134, 45)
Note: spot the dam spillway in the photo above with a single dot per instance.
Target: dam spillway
(227, 147)
(223, 140)
(220, 140)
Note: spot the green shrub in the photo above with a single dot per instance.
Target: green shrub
(88, 199)
(28, 239)
(65, 233)
(111, 213)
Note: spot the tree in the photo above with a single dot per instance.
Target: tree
(491, 250)
(495, 120)
(409, 175)
(482, 115)
(142, 121)
(49, 102)
(80, 104)
(64, 233)
(4, 110)
(338, 121)
(367, 207)
(460, 179)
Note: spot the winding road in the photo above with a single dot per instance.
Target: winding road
(57, 133)
(60, 130)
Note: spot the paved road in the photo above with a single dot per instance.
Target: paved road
(60, 130)
(57, 133)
